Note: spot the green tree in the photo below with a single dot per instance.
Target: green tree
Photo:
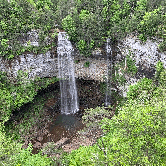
(160, 75)
(12, 154)
(20, 17)
(136, 136)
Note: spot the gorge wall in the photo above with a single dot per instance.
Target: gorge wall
(146, 56)
(46, 65)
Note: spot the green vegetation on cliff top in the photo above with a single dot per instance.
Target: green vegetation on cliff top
(88, 23)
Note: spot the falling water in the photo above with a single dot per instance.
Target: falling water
(109, 73)
(69, 103)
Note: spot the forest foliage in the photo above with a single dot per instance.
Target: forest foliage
(17, 18)
(136, 135)
(88, 23)
(14, 94)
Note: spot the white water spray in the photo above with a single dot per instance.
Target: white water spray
(109, 74)
(69, 102)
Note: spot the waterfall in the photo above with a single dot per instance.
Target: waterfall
(69, 102)
(109, 73)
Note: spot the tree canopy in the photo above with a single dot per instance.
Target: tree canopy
(88, 23)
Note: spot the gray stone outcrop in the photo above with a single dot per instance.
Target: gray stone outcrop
(146, 56)
(42, 65)
(46, 65)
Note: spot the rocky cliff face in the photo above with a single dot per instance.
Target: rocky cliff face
(42, 65)
(146, 56)
(46, 65)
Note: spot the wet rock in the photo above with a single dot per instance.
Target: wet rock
(40, 138)
(37, 145)
(62, 142)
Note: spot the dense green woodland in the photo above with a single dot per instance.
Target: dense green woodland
(136, 133)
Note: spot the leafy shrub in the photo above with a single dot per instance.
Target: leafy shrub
(131, 68)
(14, 95)
(86, 64)
(162, 80)
(12, 154)
(70, 27)
(127, 66)
(85, 155)
(25, 157)
(83, 14)
(63, 8)
(134, 137)
(162, 46)
(159, 69)
(149, 25)
(82, 46)
(160, 75)
(142, 91)
(92, 117)
(142, 37)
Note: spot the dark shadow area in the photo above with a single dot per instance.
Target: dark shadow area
(144, 71)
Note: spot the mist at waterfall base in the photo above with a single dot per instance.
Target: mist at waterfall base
(69, 100)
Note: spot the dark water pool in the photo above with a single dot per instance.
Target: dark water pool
(63, 126)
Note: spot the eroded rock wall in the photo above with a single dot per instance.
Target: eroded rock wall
(42, 65)
(46, 65)
(146, 56)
